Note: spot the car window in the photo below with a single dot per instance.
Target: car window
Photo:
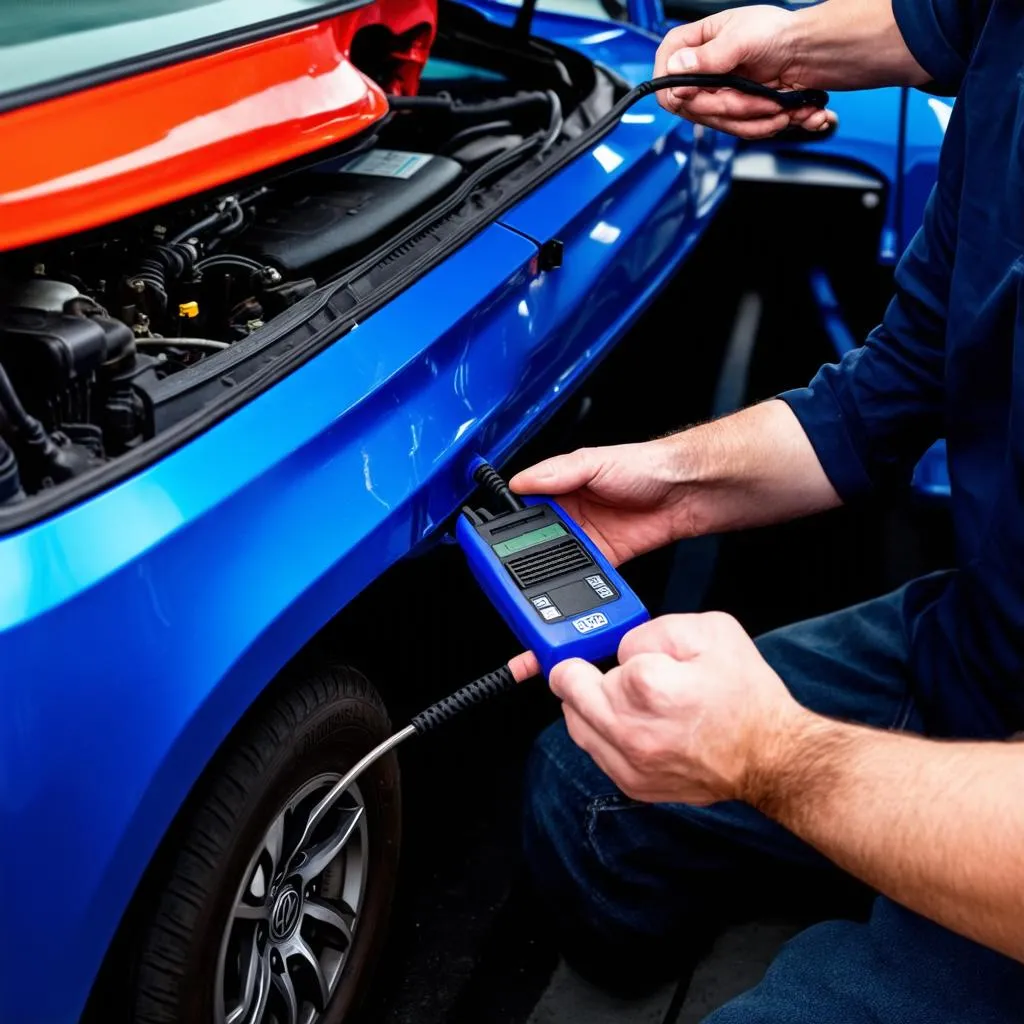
(48, 40)
(608, 10)
(586, 8)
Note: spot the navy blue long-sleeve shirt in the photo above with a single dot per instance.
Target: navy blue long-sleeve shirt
(948, 360)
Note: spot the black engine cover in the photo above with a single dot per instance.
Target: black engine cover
(53, 358)
(341, 209)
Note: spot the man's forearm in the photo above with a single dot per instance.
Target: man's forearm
(852, 44)
(936, 826)
(753, 468)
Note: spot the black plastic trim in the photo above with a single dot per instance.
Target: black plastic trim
(174, 55)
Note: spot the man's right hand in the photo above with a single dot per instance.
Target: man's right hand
(755, 42)
(628, 497)
(839, 44)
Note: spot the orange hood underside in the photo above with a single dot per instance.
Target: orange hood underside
(96, 156)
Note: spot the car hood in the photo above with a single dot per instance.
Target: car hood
(150, 135)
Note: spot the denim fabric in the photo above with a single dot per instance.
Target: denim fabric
(636, 889)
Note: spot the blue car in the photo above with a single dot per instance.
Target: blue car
(272, 273)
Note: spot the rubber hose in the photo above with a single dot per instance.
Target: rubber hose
(28, 426)
(486, 108)
(163, 261)
(10, 482)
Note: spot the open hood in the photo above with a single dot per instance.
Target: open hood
(144, 127)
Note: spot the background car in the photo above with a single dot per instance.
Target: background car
(272, 271)
(885, 153)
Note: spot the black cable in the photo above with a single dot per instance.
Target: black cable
(30, 429)
(475, 131)
(10, 481)
(555, 124)
(487, 476)
(487, 686)
(194, 230)
(792, 99)
(524, 17)
(46, 458)
(230, 260)
(485, 108)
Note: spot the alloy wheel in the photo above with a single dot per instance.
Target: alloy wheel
(292, 922)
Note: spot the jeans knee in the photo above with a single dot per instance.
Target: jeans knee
(555, 806)
(563, 786)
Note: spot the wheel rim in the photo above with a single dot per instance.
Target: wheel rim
(291, 925)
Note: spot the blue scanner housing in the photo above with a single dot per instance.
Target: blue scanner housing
(548, 580)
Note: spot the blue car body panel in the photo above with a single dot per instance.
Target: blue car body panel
(138, 627)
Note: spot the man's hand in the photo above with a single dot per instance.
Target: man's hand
(839, 44)
(693, 714)
(627, 497)
(750, 469)
(755, 42)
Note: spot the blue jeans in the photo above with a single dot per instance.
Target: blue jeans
(634, 889)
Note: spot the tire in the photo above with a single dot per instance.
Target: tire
(196, 948)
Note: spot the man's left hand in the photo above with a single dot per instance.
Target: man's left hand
(691, 714)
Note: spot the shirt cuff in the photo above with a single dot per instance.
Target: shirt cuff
(820, 415)
(927, 39)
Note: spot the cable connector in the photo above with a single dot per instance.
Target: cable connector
(489, 478)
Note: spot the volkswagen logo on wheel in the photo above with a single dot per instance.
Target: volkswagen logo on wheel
(285, 914)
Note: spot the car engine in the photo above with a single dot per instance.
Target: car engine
(92, 327)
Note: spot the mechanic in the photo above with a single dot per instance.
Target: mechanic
(707, 767)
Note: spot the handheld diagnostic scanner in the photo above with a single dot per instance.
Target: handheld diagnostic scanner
(546, 577)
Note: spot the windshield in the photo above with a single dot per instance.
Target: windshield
(42, 41)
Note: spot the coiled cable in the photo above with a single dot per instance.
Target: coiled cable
(487, 686)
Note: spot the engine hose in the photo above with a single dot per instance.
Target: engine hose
(10, 482)
(162, 262)
(49, 460)
(485, 108)
(198, 344)
(464, 136)
(555, 124)
(210, 221)
(230, 260)
(28, 427)
(230, 209)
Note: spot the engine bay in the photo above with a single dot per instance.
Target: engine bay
(98, 331)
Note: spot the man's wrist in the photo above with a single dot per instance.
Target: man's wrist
(850, 44)
(793, 754)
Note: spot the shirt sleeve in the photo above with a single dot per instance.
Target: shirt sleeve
(870, 417)
(941, 35)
